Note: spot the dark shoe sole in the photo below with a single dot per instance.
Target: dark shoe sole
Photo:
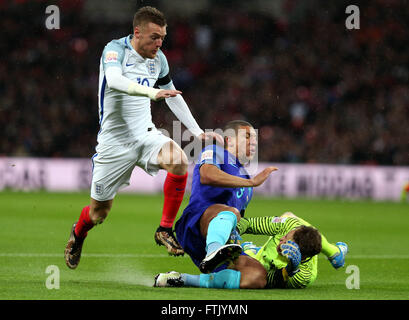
(228, 252)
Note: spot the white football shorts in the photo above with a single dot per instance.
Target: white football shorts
(113, 165)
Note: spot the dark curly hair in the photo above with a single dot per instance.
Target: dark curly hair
(309, 241)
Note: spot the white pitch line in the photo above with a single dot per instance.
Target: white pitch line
(91, 255)
(378, 256)
(153, 255)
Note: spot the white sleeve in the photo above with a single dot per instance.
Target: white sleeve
(181, 110)
(117, 81)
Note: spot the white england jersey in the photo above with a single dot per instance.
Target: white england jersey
(122, 117)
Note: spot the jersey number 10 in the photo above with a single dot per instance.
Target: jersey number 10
(143, 82)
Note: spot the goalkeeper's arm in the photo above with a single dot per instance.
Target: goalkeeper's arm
(294, 275)
(266, 225)
(278, 278)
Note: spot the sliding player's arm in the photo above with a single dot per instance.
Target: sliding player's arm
(212, 175)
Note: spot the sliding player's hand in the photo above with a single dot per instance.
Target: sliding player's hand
(262, 176)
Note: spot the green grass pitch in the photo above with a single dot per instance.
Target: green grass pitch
(120, 258)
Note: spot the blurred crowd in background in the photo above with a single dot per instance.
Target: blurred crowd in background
(316, 91)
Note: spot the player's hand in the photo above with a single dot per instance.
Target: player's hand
(291, 251)
(211, 135)
(163, 94)
(250, 246)
(262, 176)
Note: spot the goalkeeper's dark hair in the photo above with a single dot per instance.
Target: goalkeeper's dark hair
(308, 240)
(233, 127)
(149, 14)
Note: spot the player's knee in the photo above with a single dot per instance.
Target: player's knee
(173, 159)
(181, 161)
(230, 211)
(253, 274)
(178, 163)
(260, 280)
(179, 168)
(256, 278)
(236, 212)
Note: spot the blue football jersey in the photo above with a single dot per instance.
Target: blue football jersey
(203, 196)
(187, 228)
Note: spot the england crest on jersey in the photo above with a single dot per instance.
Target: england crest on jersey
(151, 67)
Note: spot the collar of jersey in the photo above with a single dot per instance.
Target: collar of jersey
(129, 46)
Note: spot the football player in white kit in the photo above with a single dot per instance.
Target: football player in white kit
(129, 69)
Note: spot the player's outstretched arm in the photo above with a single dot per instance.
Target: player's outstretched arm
(181, 110)
(262, 176)
(179, 107)
(212, 175)
(163, 94)
(117, 81)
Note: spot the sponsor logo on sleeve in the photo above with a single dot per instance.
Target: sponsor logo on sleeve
(207, 155)
(278, 219)
(111, 56)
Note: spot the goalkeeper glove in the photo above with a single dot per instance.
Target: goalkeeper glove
(291, 251)
(250, 246)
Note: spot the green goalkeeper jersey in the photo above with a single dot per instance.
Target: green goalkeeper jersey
(277, 227)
